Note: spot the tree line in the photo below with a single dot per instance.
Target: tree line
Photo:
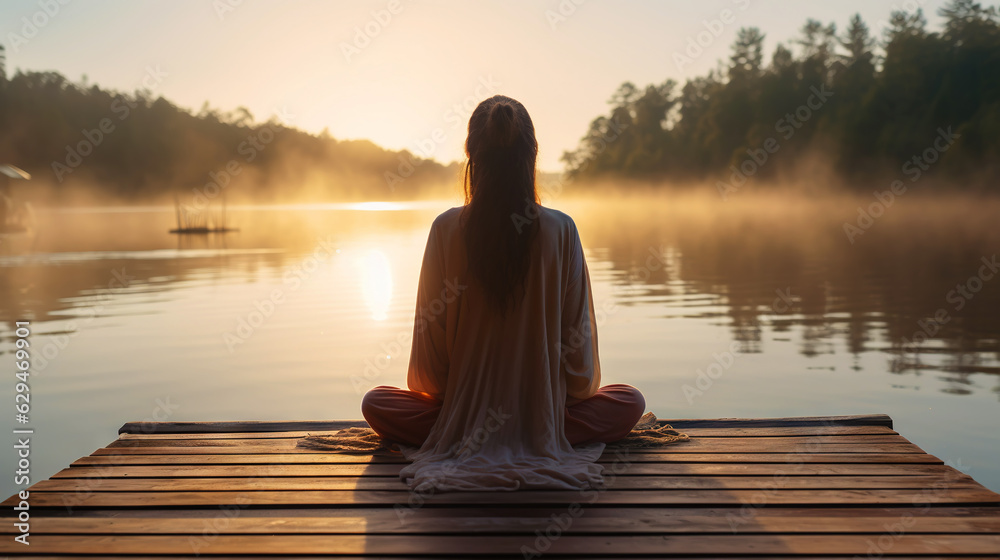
(139, 145)
(864, 103)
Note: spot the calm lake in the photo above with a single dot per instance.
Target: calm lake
(759, 306)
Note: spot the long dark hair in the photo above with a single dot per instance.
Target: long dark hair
(501, 204)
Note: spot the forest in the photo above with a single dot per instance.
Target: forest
(828, 107)
(896, 100)
(77, 138)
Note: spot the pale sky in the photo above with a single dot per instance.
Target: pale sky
(408, 83)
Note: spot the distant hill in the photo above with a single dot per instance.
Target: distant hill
(132, 146)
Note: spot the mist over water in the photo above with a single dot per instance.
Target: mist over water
(756, 306)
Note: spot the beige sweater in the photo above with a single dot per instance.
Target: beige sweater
(504, 382)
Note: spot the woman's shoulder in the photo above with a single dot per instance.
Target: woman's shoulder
(558, 216)
(447, 218)
(559, 221)
(555, 220)
(450, 213)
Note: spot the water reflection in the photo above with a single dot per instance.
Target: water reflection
(124, 314)
(760, 269)
(770, 266)
(376, 283)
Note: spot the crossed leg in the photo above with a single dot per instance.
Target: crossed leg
(407, 416)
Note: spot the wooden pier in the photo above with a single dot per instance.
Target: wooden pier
(831, 487)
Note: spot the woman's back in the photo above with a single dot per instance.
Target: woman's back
(503, 378)
(504, 333)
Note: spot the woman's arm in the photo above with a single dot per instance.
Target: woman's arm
(428, 369)
(578, 347)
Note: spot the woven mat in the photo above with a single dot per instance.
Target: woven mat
(648, 432)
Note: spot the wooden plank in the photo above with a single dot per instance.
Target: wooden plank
(95, 469)
(74, 556)
(197, 459)
(394, 557)
(236, 427)
(741, 488)
(470, 545)
(129, 484)
(796, 431)
(855, 420)
(734, 443)
(328, 425)
(447, 514)
(275, 455)
(953, 496)
(801, 431)
(693, 446)
(625, 521)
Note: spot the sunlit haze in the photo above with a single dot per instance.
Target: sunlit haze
(255, 298)
(419, 71)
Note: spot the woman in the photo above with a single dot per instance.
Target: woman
(504, 374)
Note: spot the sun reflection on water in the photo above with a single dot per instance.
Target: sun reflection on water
(376, 283)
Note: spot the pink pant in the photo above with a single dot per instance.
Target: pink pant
(407, 416)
